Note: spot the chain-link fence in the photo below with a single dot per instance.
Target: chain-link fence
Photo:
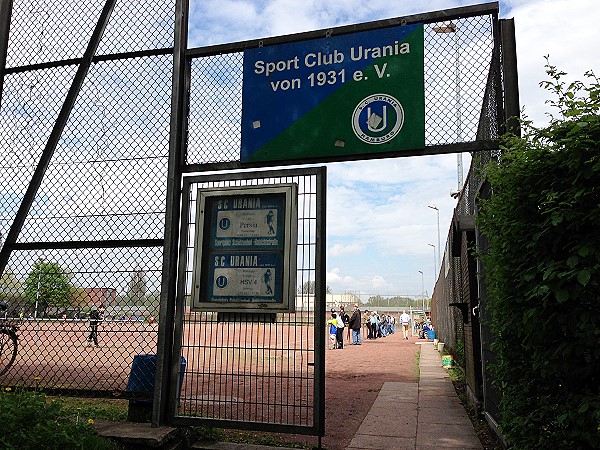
(92, 236)
(458, 55)
(458, 306)
(85, 134)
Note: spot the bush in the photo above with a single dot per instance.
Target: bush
(543, 274)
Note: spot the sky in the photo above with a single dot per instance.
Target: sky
(380, 227)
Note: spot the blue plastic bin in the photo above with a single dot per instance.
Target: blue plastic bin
(143, 375)
(431, 334)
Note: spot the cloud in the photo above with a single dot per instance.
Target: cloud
(364, 286)
(345, 250)
(217, 21)
(565, 30)
(383, 205)
(335, 278)
(378, 282)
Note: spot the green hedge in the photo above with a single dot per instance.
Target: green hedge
(543, 273)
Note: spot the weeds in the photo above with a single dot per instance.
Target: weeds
(30, 421)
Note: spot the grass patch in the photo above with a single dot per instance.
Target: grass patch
(30, 421)
(114, 410)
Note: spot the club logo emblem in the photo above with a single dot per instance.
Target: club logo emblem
(224, 223)
(221, 281)
(377, 119)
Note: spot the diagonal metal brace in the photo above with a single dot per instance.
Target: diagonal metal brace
(55, 135)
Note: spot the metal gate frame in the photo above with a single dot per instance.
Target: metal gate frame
(165, 394)
(318, 314)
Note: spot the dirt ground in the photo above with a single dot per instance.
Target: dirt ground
(354, 376)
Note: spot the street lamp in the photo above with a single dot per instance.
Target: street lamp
(432, 206)
(434, 264)
(446, 28)
(422, 289)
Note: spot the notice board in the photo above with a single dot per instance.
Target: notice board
(245, 249)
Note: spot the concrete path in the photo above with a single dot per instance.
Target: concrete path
(405, 416)
(418, 416)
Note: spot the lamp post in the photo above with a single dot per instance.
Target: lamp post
(422, 289)
(446, 28)
(434, 264)
(439, 260)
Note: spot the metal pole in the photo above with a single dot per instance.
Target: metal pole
(439, 244)
(511, 76)
(422, 289)
(434, 265)
(459, 162)
(451, 27)
(432, 206)
(167, 364)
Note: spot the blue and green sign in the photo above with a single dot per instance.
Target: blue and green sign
(345, 95)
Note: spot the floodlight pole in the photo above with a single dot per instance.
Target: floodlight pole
(434, 265)
(422, 289)
(445, 28)
(439, 260)
(459, 161)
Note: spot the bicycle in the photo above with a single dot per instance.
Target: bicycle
(8, 343)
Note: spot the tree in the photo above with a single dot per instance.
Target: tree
(9, 285)
(136, 289)
(308, 287)
(396, 302)
(48, 284)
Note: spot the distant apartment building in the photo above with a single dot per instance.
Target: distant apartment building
(98, 297)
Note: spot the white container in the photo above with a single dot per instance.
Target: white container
(440, 346)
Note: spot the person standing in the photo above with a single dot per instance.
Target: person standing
(340, 329)
(332, 322)
(354, 325)
(367, 323)
(373, 322)
(95, 319)
(405, 322)
(346, 319)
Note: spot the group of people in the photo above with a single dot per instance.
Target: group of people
(423, 328)
(339, 321)
(378, 326)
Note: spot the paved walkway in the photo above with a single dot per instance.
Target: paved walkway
(405, 416)
(418, 416)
